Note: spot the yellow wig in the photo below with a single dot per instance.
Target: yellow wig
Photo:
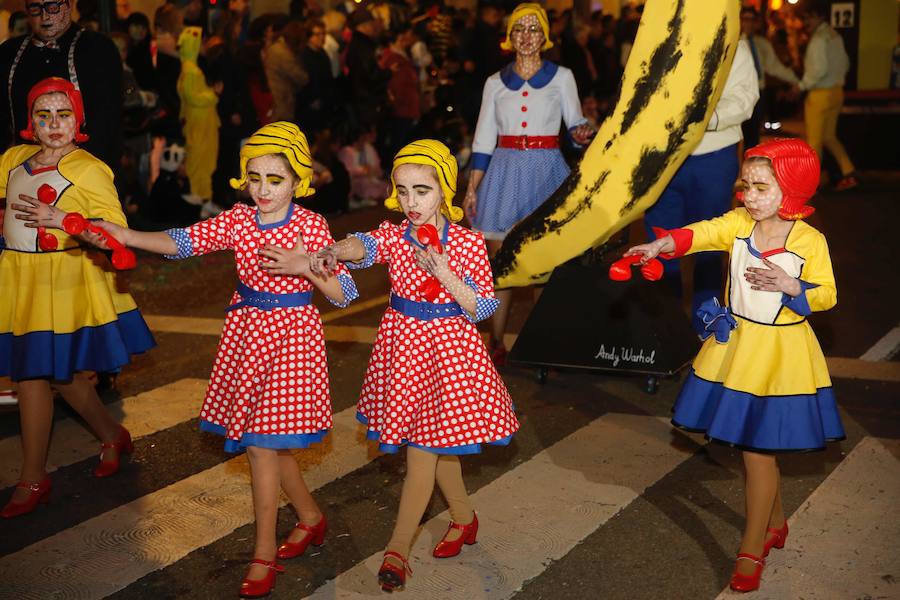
(528, 8)
(283, 138)
(433, 154)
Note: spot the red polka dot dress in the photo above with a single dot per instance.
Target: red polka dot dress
(430, 382)
(269, 383)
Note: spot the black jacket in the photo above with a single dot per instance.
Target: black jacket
(99, 71)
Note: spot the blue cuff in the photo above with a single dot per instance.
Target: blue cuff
(572, 139)
(371, 249)
(2, 242)
(182, 241)
(484, 307)
(348, 286)
(480, 161)
(799, 304)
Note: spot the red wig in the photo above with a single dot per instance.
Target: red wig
(53, 85)
(796, 168)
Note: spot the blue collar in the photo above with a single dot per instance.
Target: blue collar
(544, 75)
(408, 236)
(284, 221)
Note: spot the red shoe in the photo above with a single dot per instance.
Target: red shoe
(390, 576)
(260, 588)
(747, 583)
(498, 355)
(38, 493)
(446, 549)
(123, 445)
(316, 537)
(847, 182)
(778, 539)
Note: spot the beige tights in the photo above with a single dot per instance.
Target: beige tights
(422, 470)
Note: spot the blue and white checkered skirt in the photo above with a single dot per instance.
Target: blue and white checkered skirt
(515, 184)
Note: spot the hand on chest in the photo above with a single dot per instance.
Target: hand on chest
(758, 305)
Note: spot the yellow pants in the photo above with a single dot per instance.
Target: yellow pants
(820, 112)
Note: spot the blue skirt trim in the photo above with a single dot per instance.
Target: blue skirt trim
(104, 348)
(276, 441)
(797, 423)
(375, 436)
(515, 184)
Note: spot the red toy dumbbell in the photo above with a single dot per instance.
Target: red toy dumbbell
(122, 258)
(621, 269)
(46, 241)
(428, 236)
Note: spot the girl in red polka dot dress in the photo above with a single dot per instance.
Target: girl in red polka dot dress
(268, 392)
(430, 384)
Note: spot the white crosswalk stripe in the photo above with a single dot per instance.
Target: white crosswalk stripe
(842, 542)
(142, 415)
(120, 546)
(533, 514)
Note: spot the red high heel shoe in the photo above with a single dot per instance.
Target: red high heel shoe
(391, 577)
(445, 549)
(316, 537)
(123, 445)
(747, 583)
(260, 588)
(38, 493)
(777, 540)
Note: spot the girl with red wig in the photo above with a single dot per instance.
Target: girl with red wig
(60, 312)
(760, 382)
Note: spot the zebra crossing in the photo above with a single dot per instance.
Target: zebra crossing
(539, 501)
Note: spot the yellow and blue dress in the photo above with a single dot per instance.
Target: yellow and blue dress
(761, 383)
(62, 311)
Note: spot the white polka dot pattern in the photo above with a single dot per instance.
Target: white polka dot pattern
(432, 383)
(270, 376)
(182, 242)
(484, 307)
(371, 248)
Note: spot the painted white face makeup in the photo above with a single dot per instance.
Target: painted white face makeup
(419, 193)
(526, 35)
(762, 194)
(271, 185)
(53, 120)
(49, 19)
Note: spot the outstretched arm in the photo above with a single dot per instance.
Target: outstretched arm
(325, 261)
(38, 214)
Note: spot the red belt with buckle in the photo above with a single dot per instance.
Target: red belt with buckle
(528, 142)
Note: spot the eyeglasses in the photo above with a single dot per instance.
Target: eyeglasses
(531, 29)
(51, 8)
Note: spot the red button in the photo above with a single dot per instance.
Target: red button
(524, 109)
(525, 93)
(524, 123)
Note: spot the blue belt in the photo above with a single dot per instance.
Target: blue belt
(268, 300)
(425, 311)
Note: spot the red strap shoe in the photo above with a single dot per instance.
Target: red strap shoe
(260, 588)
(38, 493)
(446, 549)
(747, 583)
(390, 576)
(777, 540)
(123, 445)
(315, 536)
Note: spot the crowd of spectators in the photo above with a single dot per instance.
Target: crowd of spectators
(361, 80)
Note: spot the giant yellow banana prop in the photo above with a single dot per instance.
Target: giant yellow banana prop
(673, 79)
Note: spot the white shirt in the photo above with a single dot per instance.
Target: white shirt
(333, 50)
(735, 105)
(825, 63)
(512, 106)
(769, 63)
